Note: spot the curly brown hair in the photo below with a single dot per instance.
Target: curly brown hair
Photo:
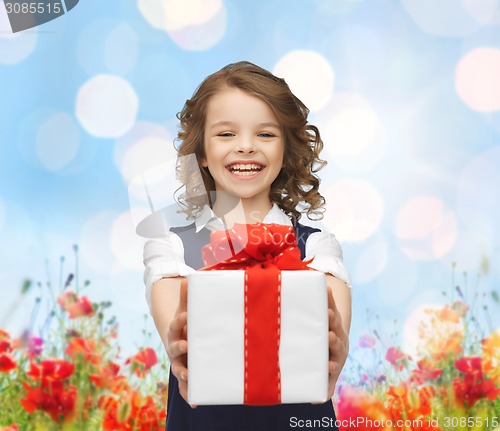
(297, 182)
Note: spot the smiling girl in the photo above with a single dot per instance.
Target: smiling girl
(258, 157)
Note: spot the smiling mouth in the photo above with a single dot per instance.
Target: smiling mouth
(245, 169)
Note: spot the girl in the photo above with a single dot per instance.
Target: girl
(259, 155)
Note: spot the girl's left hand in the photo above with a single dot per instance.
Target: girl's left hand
(338, 341)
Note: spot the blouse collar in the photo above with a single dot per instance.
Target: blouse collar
(208, 219)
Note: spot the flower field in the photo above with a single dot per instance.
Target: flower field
(72, 377)
(451, 384)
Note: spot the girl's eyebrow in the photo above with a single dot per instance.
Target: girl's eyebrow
(230, 123)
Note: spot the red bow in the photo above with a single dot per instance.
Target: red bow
(246, 245)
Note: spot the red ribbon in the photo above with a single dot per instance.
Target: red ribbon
(262, 250)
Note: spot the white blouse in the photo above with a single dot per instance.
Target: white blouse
(164, 257)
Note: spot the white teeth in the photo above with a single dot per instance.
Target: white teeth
(244, 169)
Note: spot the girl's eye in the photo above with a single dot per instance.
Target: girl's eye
(266, 135)
(226, 134)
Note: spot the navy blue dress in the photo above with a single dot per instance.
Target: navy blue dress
(283, 417)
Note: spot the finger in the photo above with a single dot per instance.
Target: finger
(179, 370)
(331, 318)
(332, 378)
(179, 322)
(183, 296)
(335, 325)
(177, 349)
(335, 344)
(334, 320)
(331, 389)
(176, 326)
(183, 390)
(331, 342)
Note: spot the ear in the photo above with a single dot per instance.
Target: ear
(203, 162)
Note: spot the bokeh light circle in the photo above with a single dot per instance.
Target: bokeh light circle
(411, 335)
(194, 25)
(15, 48)
(173, 15)
(354, 209)
(477, 79)
(106, 106)
(125, 244)
(201, 37)
(484, 12)
(145, 146)
(425, 228)
(353, 129)
(57, 141)
(352, 133)
(309, 75)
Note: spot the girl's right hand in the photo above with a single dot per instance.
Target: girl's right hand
(177, 342)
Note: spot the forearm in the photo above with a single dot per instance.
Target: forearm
(164, 301)
(342, 296)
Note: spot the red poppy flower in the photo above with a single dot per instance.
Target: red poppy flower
(51, 370)
(471, 386)
(108, 378)
(396, 357)
(75, 306)
(58, 403)
(7, 362)
(5, 342)
(355, 405)
(84, 348)
(425, 372)
(53, 394)
(405, 403)
(131, 412)
(142, 361)
(5, 346)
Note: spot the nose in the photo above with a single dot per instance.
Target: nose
(245, 145)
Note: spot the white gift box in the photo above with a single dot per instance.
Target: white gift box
(215, 333)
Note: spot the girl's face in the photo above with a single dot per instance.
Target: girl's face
(244, 145)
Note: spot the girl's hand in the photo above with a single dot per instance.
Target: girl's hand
(338, 341)
(177, 342)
